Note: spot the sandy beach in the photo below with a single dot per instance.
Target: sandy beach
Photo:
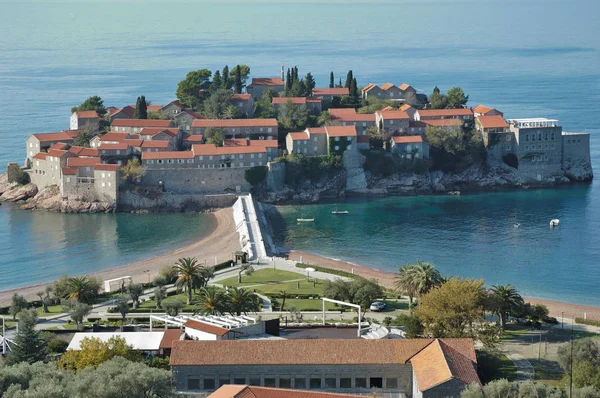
(220, 244)
(556, 309)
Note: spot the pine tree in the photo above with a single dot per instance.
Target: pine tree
(309, 81)
(348, 79)
(217, 82)
(29, 345)
(340, 83)
(141, 108)
(354, 89)
(238, 80)
(302, 89)
(288, 80)
(225, 78)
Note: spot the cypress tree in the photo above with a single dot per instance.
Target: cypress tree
(141, 108)
(238, 80)
(353, 89)
(331, 80)
(225, 78)
(288, 80)
(348, 79)
(340, 83)
(309, 81)
(217, 82)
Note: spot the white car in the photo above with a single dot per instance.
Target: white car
(377, 306)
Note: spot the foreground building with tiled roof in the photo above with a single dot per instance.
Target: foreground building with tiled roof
(236, 128)
(389, 367)
(319, 141)
(237, 391)
(403, 93)
(260, 84)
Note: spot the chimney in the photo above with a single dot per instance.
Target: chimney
(282, 73)
(247, 141)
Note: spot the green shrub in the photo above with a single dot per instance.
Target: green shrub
(327, 270)
(256, 175)
(223, 265)
(300, 167)
(587, 322)
(57, 346)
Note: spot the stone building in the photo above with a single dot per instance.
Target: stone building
(125, 112)
(409, 147)
(328, 94)
(185, 118)
(418, 127)
(387, 367)
(464, 114)
(322, 141)
(314, 105)
(481, 110)
(98, 182)
(242, 391)
(244, 102)
(135, 126)
(172, 109)
(250, 128)
(37, 143)
(260, 84)
(404, 93)
(349, 117)
(81, 119)
(395, 122)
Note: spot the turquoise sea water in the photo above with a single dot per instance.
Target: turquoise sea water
(529, 58)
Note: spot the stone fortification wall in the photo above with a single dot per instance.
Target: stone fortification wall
(199, 181)
(241, 226)
(275, 176)
(169, 201)
(576, 146)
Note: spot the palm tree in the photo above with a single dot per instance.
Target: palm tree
(189, 275)
(283, 295)
(404, 282)
(425, 277)
(241, 301)
(506, 299)
(81, 289)
(206, 274)
(210, 301)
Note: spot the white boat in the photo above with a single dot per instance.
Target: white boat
(305, 219)
(554, 222)
(337, 212)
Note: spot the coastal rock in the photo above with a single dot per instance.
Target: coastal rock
(17, 192)
(4, 185)
(50, 199)
(578, 170)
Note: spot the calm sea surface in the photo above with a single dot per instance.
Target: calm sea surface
(529, 58)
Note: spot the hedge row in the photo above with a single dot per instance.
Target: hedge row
(327, 270)
(223, 265)
(587, 322)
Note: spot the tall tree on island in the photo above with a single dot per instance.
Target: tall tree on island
(244, 72)
(505, 300)
(141, 108)
(226, 81)
(457, 98)
(217, 82)
(331, 80)
(288, 80)
(189, 89)
(238, 79)
(29, 346)
(93, 103)
(340, 83)
(354, 89)
(349, 78)
(309, 81)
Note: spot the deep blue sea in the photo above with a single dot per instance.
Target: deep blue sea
(529, 58)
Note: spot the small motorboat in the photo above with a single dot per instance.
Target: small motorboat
(554, 222)
(337, 212)
(305, 219)
(517, 225)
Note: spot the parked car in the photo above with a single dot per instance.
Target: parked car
(377, 306)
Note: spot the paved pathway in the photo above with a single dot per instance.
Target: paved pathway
(525, 370)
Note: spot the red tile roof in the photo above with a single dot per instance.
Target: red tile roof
(338, 91)
(387, 86)
(87, 114)
(170, 336)
(316, 130)
(151, 108)
(226, 123)
(301, 136)
(193, 114)
(341, 131)
(127, 111)
(404, 86)
(285, 100)
(267, 81)
(194, 138)
(368, 87)
(445, 112)
(205, 327)
(66, 135)
(57, 153)
(492, 122)
(84, 152)
(141, 123)
(482, 109)
(306, 352)
(211, 149)
(167, 155)
(393, 115)
(387, 108)
(82, 162)
(410, 139)
(69, 170)
(173, 132)
(107, 167)
(121, 146)
(350, 115)
(59, 145)
(40, 155)
(440, 362)
(133, 142)
(236, 391)
(114, 136)
(155, 144)
(241, 97)
(405, 107)
(246, 142)
(111, 110)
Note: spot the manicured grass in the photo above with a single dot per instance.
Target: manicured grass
(54, 310)
(392, 305)
(263, 276)
(495, 365)
(307, 305)
(268, 281)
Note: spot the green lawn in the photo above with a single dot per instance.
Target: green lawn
(495, 365)
(262, 277)
(268, 281)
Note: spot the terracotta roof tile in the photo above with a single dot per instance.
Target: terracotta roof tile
(241, 97)
(205, 327)
(405, 107)
(301, 136)
(40, 155)
(155, 144)
(491, 122)
(482, 109)
(69, 171)
(235, 391)
(121, 146)
(368, 87)
(285, 100)
(57, 153)
(82, 162)
(267, 81)
(306, 352)
(134, 142)
(107, 167)
(316, 130)
(246, 142)
(114, 136)
(445, 112)
(350, 115)
(338, 91)
(404, 86)
(410, 139)
(168, 155)
(141, 123)
(66, 135)
(387, 108)
(194, 138)
(173, 132)
(225, 123)
(84, 152)
(211, 149)
(387, 86)
(393, 115)
(60, 146)
(170, 336)
(87, 114)
(126, 111)
(341, 131)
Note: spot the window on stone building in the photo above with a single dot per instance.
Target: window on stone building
(193, 383)
(315, 382)
(285, 382)
(552, 137)
(546, 137)
(238, 380)
(360, 382)
(255, 380)
(270, 381)
(552, 146)
(330, 382)
(579, 140)
(532, 137)
(103, 185)
(68, 179)
(375, 382)
(337, 148)
(539, 136)
(345, 382)
(269, 130)
(209, 383)
(508, 147)
(391, 382)
(300, 382)
(109, 185)
(223, 379)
